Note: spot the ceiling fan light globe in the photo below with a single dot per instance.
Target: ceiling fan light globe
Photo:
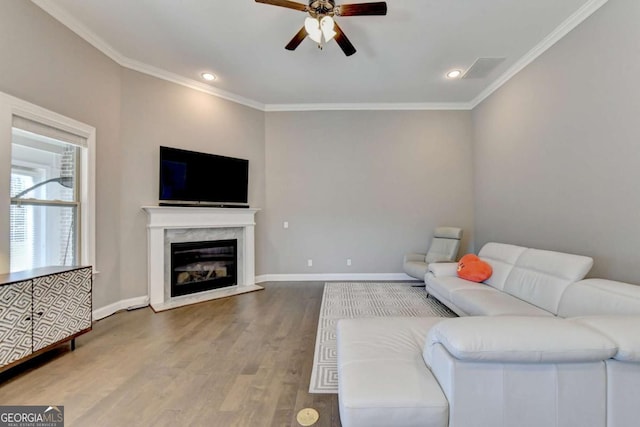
(316, 36)
(328, 35)
(312, 26)
(327, 24)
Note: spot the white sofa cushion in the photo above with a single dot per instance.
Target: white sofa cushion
(487, 301)
(446, 286)
(540, 277)
(502, 257)
(598, 296)
(382, 378)
(518, 339)
(622, 330)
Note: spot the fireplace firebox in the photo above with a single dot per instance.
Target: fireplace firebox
(203, 266)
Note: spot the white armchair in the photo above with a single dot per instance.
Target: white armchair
(444, 248)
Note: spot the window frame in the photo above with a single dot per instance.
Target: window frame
(11, 106)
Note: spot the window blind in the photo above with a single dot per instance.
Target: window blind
(48, 131)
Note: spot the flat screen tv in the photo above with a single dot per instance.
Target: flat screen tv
(200, 179)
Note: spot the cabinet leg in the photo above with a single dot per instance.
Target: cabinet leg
(73, 344)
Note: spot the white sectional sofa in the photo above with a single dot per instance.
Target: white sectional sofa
(540, 347)
(527, 282)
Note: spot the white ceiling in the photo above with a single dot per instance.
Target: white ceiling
(401, 60)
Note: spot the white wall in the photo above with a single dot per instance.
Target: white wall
(556, 149)
(365, 185)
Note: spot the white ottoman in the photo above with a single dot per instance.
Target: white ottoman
(382, 378)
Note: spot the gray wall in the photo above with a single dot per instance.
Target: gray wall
(155, 113)
(556, 149)
(365, 185)
(46, 64)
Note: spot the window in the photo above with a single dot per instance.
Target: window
(44, 220)
(47, 201)
(21, 235)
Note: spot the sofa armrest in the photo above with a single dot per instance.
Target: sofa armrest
(623, 330)
(414, 257)
(441, 269)
(505, 394)
(516, 339)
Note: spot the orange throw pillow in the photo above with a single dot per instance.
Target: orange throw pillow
(474, 269)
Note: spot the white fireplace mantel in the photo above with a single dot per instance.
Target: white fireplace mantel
(162, 218)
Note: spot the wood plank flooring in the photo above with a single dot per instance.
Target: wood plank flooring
(240, 361)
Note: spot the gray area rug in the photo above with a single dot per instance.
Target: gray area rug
(350, 300)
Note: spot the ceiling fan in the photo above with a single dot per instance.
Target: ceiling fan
(320, 25)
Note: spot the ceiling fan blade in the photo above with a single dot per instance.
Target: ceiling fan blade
(285, 3)
(360, 9)
(296, 40)
(343, 41)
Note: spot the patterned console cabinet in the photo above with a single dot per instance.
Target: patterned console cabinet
(42, 308)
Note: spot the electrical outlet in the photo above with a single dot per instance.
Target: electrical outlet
(309, 263)
(349, 262)
(285, 224)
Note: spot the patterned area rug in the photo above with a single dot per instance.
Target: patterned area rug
(351, 300)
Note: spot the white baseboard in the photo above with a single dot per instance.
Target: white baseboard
(124, 304)
(331, 277)
(143, 301)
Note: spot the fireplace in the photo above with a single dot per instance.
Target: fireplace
(167, 225)
(203, 266)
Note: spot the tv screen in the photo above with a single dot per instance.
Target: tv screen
(192, 177)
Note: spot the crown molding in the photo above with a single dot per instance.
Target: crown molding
(555, 36)
(390, 106)
(85, 33)
(190, 83)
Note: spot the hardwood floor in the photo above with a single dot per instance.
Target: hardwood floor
(240, 361)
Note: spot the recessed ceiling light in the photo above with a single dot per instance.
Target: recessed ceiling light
(454, 74)
(208, 77)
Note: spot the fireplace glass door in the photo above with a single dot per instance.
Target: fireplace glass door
(203, 266)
